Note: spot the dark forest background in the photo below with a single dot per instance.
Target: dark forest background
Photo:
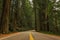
(21, 15)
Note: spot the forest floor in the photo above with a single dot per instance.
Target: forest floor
(29, 35)
(5, 35)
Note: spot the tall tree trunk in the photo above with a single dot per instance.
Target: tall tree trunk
(15, 15)
(5, 17)
(15, 23)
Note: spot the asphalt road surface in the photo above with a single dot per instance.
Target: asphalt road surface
(31, 35)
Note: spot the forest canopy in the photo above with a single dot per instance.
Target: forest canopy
(21, 15)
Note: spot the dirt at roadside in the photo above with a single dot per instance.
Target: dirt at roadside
(5, 35)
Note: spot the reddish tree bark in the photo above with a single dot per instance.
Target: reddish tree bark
(5, 17)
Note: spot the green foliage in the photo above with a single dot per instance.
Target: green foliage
(25, 16)
(47, 15)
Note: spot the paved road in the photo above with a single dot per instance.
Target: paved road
(30, 35)
(41, 36)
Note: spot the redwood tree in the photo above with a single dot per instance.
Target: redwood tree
(5, 16)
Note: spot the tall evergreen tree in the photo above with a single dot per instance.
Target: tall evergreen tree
(5, 16)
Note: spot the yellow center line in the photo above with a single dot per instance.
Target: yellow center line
(31, 37)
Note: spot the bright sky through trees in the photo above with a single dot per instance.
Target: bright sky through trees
(30, 0)
(57, 0)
